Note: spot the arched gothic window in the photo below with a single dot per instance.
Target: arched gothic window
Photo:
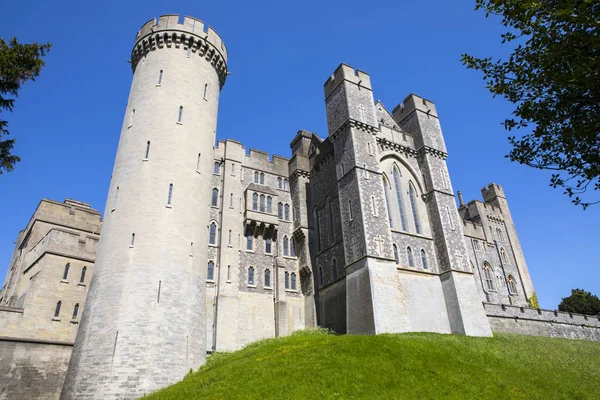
(396, 255)
(500, 235)
(268, 242)
(217, 168)
(251, 276)
(287, 280)
(386, 190)
(215, 197)
(512, 285)
(286, 184)
(286, 247)
(413, 204)
(398, 187)
(330, 231)
(488, 276)
(212, 233)
(255, 201)
(287, 212)
(269, 204)
(424, 259)
(210, 271)
(262, 203)
(82, 278)
(249, 238)
(280, 210)
(293, 281)
(409, 255)
(256, 176)
(292, 247)
(66, 271)
(267, 278)
(279, 183)
(75, 311)
(57, 309)
(503, 256)
(334, 272)
(262, 178)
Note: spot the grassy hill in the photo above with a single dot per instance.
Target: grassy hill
(316, 365)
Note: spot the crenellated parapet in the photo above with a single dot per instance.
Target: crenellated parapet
(191, 35)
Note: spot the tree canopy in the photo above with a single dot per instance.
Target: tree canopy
(553, 78)
(580, 302)
(19, 63)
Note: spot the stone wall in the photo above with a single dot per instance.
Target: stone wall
(537, 322)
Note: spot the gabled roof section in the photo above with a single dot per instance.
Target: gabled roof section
(384, 117)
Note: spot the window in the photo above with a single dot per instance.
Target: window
(292, 247)
(279, 183)
(229, 239)
(396, 255)
(512, 285)
(132, 240)
(198, 163)
(424, 259)
(450, 220)
(214, 201)
(370, 149)
(334, 273)
(398, 187)
(409, 254)
(476, 244)
(280, 210)
(251, 276)
(230, 200)
(262, 178)
(488, 276)
(249, 238)
(217, 168)
(287, 280)
(66, 271)
(365, 171)
(373, 206)
(255, 201)
(293, 279)
(189, 52)
(269, 204)
(82, 278)
(256, 176)
(228, 272)
(170, 196)
(330, 232)
(317, 226)
(160, 74)
(147, 150)
(267, 278)
(503, 256)
(386, 190)
(115, 200)
(287, 212)
(262, 203)
(500, 235)
(321, 276)
(286, 184)
(232, 169)
(268, 242)
(210, 271)
(205, 88)
(180, 115)
(131, 118)
(350, 216)
(286, 246)
(75, 311)
(212, 233)
(413, 204)
(57, 309)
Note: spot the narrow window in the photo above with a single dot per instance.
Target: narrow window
(386, 190)
(342, 169)
(293, 281)
(398, 186)
(251, 276)
(476, 244)
(350, 216)
(131, 118)
(160, 74)
(116, 198)
(503, 256)
(413, 204)
(249, 237)
(286, 184)
(450, 220)
(512, 285)
(215, 198)
(396, 255)
(488, 276)
(75, 311)
(424, 259)
(210, 271)
(287, 280)
(262, 178)
(217, 168)
(280, 210)
(229, 238)
(279, 183)
(373, 206)
(147, 150)
(292, 247)
(82, 278)
(317, 226)
(180, 115)
(321, 276)
(189, 52)
(287, 212)
(334, 273)
(365, 171)
(57, 309)
(198, 163)
(229, 272)
(262, 203)
(255, 201)
(500, 236)
(267, 278)
(66, 271)
(409, 254)
(286, 246)
(212, 233)
(256, 176)
(330, 232)
(205, 88)
(230, 200)
(370, 149)
(132, 240)
(268, 242)
(269, 204)
(170, 196)
(191, 249)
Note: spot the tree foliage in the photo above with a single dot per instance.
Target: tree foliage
(19, 63)
(580, 302)
(553, 78)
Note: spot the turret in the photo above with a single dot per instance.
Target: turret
(144, 323)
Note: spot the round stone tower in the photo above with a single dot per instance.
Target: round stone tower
(144, 321)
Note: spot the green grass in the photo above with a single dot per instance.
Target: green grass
(315, 365)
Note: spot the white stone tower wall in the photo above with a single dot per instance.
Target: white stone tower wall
(144, 324)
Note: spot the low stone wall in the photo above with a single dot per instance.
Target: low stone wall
(538, 322)
(32, 370)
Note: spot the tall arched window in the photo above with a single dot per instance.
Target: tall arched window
(262, 178)
(217, 168)
(279, 183)
(255, 201)
(147, 150)
(82, 278)
(293, 279)
(249, 238)
(287, 212)
(503, 256)
(512, 285)
(251, 276)
(215, 197)
(256, 176)
(334, 273)
(488, 276)
(317, 226)
(286, 184)
(500, 235)
(330, 232)
(386, 190)
(66, 271)
(413, 204)
(75, 311)
(57, 309)
(409, 255)
(424, 259)
(269, 204)
(286, 246)
(212, 233)
(180, 116)
(287, 280)
(268, 242)
(267, 278)
(262, 203)
(398, 187)
(210, 271)
(160, 74)
(280, 210)
(396, 255)
(450, 219)
(292, 247)
(170, 196)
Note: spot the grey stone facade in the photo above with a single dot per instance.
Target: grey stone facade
(209, 248)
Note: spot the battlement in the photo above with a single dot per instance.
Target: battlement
(536, 314)
(347, 73)
(413, 102)
(170, 22)
(492, 190)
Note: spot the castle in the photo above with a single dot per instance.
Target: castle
(208, 248)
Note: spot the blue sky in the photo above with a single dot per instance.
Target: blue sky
(67, 123)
